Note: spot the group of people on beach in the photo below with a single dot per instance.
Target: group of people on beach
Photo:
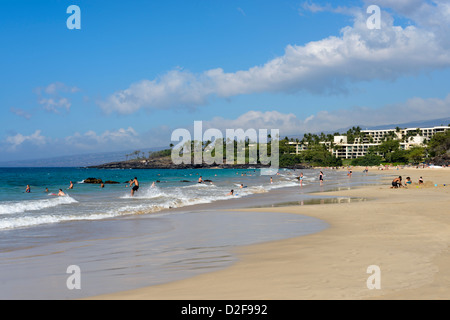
(397, 182)
(321, 178)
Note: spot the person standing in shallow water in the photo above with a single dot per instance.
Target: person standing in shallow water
(135, 187)
(321, 178)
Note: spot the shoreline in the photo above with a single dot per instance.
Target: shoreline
(129, 251)
(403, 231)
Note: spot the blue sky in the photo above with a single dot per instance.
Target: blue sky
(137, 70)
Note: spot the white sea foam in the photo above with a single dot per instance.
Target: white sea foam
(29, 221)
(19, 214)
(12, 207)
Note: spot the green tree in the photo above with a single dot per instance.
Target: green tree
(439, 144)
(416, 154)
(387, 147)
(368, 160)
(318, 155)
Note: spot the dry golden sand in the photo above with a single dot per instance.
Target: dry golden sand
(406, 232)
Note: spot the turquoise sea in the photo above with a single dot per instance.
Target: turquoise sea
(172, 230)
(172, 189)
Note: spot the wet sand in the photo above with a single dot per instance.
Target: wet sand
(405, 232)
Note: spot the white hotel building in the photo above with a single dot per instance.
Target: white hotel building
(408, 137)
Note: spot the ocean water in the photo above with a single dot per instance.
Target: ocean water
(172, 230)
(176, 188)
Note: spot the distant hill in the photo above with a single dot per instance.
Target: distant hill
(81, 160)
(95, 159)
(415, 124)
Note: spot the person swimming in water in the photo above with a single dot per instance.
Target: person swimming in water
(61, 193)
(28, 189)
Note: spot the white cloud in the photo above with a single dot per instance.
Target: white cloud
(21, 113)
(257, 120)
(315, 8)
(241, 11)
(55, 104)
(13, 142)
(90, 140)
(414, 109)
(175, 88)
(51, 98)
(329, 65)
(56, 87)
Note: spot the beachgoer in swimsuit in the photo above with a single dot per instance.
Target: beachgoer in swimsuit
(136, 186)
(408, 181)
(397, 182)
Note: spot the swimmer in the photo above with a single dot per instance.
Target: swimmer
(71, 185)
(28, 189)
(230, 193)
(61, 193)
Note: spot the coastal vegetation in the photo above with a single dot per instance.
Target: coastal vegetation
(316, 154)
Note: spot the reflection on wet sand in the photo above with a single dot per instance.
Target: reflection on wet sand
(315, 201)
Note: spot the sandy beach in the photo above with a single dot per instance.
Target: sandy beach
(405, 232)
